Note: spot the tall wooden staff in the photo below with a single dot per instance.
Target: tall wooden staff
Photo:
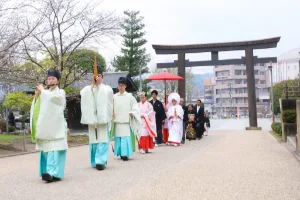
(95, 78)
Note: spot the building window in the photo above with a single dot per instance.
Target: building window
(256, 72)
(222, 73)
(238, 72)
(256, 81)
(262, 82)
(261, 73)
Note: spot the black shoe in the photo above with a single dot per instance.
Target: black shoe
(47, 177)
(56, 179)
(125, 158)
(100, 167)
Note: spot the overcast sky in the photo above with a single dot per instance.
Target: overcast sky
(207, 21)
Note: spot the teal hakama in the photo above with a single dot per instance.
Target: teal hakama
(99, 152)
(53, 163)
(52, 152)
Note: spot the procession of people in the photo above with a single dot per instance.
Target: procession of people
(131, 124)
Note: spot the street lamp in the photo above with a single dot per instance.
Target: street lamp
(272, 94)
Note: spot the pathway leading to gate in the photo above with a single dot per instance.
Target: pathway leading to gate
(224, 165)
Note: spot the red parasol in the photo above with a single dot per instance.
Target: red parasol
(164, 76)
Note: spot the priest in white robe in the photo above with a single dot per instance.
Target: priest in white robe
(49, 127)
(126, 127)
(148, 134)
(97, 110)
(175, 117)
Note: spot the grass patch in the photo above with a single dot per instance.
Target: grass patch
(78, 139)
(8, 138)
(277, 136)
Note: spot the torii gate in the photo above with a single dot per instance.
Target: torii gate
(215, 48)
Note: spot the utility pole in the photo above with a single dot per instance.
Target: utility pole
(272, 93)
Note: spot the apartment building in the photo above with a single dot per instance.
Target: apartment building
(208, 91)
(231, 92)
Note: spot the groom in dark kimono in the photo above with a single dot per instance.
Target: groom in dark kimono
(160, 116)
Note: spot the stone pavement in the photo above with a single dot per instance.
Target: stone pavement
(225, 165)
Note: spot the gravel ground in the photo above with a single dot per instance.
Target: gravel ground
(225, 165)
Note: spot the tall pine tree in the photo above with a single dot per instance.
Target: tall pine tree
(133, 54)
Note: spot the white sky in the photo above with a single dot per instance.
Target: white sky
(207, 21)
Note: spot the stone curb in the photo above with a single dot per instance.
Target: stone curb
(31, 152)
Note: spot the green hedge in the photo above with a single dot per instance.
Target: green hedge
(11, 129)
(276, 127)
(289, 116)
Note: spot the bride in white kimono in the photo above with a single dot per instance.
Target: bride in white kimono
(175, 117)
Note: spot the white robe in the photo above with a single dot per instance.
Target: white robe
(124, 104)
(100, 101)
(175, 124)
(51, 127)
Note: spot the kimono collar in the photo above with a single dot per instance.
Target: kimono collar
(55, 89)
(122, 94)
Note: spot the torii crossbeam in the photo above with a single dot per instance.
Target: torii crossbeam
(249, 60)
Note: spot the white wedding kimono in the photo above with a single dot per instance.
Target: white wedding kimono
(175, 124)
(97, 110)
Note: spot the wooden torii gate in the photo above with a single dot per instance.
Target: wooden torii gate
(249, 60)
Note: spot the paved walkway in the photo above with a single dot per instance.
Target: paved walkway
(225, 165)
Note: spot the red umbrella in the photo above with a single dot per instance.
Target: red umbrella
(164, 76)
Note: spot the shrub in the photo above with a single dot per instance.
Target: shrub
(289, 116)
(276, 127)
(3, 125)
(11, 129)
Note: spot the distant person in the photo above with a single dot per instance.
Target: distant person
(191, 124)
(206, 124)
(199, 119)
(185, 118)
(160, 116)
(11, 119)
(165, 126)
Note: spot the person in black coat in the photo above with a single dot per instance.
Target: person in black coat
(11, 119)
(185, 118)
(160, 116)
(199, 110)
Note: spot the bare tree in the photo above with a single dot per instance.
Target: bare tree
(66, 26)
(14, 28)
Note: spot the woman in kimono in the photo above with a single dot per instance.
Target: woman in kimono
(165, 125)
(148, 132)
(49, 127)
(206, 124)
(191, 124)
(175, 120)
